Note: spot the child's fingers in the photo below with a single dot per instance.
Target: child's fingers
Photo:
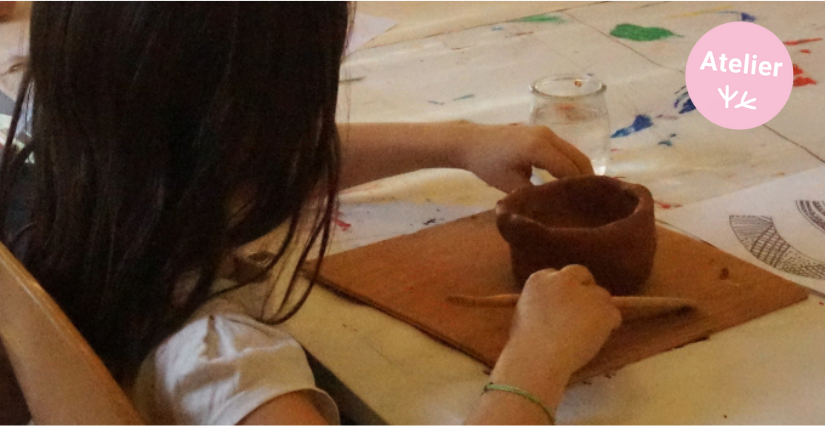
(579, 160)
(555, 163)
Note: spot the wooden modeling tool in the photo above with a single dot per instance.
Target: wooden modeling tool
(631, 307)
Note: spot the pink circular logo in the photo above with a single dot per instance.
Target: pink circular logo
(739, 75)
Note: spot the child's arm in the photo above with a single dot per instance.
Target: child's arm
(294, 408)
(562, 320)
(501, 155)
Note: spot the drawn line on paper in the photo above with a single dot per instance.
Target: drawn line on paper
(798, 145)
(630, 45)
(759, 235)
(744, 17)
(702, 12)
(814, 211)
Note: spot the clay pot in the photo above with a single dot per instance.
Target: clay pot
(600, 222)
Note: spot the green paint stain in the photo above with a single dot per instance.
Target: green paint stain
(541, 18)
(637, 33)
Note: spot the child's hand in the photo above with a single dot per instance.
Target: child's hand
(503, 155)
(562, 320)
(566, 315)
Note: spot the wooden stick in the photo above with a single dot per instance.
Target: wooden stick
(631, 307)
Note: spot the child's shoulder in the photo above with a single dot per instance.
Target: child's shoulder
(222, 364)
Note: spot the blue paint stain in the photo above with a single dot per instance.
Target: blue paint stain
(640, 123)
(684, 100)
(744, 17)
(464, 97)
(679, 98)
(687, 106)
(666, 143)
(497, 28)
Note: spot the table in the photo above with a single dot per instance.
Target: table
(764, 371)
(472, 61)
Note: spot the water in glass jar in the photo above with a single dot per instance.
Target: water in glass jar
(585, 128)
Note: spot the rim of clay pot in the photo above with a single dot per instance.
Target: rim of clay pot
(642, 194)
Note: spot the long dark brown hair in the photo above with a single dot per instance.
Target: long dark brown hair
(163, 136)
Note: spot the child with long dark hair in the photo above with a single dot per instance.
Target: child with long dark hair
(165, 136)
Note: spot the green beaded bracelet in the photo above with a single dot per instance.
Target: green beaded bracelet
(528, 395)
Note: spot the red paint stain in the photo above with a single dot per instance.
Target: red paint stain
(822, 303)
(799, 78)
(614, 149)
(341, 224)
(805, 51)
(803, 41)
(666, 206)
(803, 81)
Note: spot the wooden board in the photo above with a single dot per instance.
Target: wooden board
(409, 277)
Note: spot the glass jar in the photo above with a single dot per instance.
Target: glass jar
(574, 108)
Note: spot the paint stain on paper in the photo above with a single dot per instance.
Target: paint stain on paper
(640, 123)
(744, 17)
(805, 51)
(341, 224)
(665, 143)
(639, 33)
(542, 18)
(800, 79)
(666, 206)
(683, 101)
(687, 106)
(803, 41)
(803, 81)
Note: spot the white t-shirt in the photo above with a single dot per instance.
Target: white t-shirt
(222, 365)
